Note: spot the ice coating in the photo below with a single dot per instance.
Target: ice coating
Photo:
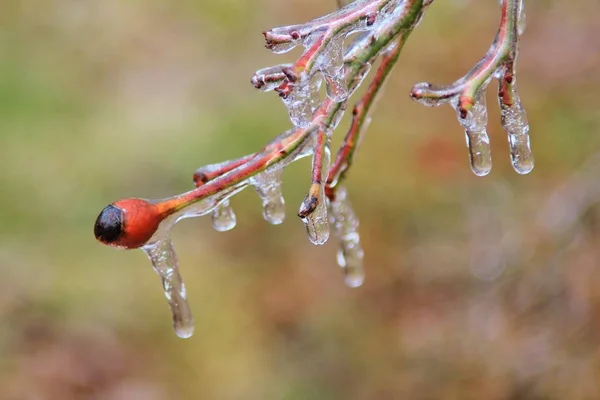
(325, 56)
(223, 217)
(268, 186)
(313, 210)
(421, 93)
(476, 135)
(302, 101)
(317, 225)
(164, 262)
(345, 227)
(331, 64)
(514, 121)
(466, 95)
(269, 78)
(283, 47)
(358, 79)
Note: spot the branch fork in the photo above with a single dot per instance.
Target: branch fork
(385, 25)
(467, 96)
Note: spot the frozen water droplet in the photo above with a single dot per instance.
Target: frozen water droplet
(476, 135)
(164, 262)
(268, 186)
(345, 226)
(480, 154)
(514, 121)
(520, 153)
(223, 217)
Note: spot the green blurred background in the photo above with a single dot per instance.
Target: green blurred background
(477, 288)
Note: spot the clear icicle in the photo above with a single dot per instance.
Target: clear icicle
(514, 121)
(345, 225)
(223, 217)
(164, 262)
(268, 186)
(477, 138)
(313, 210)
(303, 100)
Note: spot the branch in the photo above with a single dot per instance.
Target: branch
(146, 224)
(131, 223)
(385, 25)
(467, 96)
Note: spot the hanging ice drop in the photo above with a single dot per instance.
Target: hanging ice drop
(223, 217)
(316, 222)
(345, 225)
(268, 187)
(514, 121)
(476, 135)
(164, 262)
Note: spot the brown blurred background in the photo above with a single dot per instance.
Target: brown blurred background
(477, 288)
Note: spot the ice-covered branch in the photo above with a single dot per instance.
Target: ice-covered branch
(467, 96)
(342, 216)
(384, 26)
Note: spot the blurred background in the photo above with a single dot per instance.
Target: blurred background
(476, 288)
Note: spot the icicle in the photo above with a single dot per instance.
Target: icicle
(514, 122)
(313, 210)
(164, 262)
(223, 217)
(478, 141)
(268, 186)
(345, 225)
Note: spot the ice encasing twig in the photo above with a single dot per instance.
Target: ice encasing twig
(467, 93)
